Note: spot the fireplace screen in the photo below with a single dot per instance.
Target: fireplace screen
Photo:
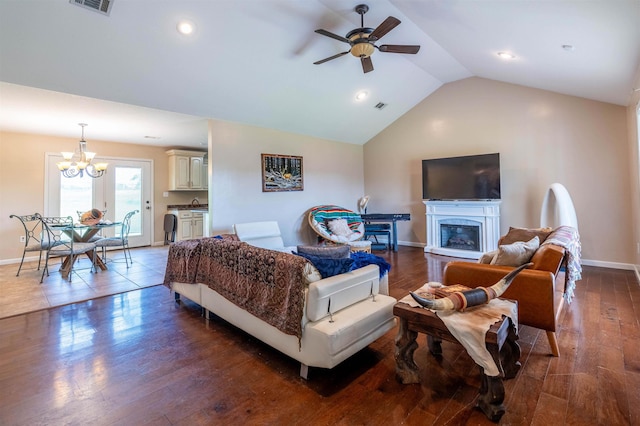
(460, 237)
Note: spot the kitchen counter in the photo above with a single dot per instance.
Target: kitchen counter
(200, 208)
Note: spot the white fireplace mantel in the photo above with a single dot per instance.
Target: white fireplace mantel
(484, 214)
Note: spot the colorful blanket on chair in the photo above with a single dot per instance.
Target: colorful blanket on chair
(266, 283)
(568, 238)
(320, 216)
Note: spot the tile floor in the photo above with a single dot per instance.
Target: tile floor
(23, 294)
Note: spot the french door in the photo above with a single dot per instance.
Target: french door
(126, 186)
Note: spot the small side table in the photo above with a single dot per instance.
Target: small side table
(500, 340)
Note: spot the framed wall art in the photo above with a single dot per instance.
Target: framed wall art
(281, 173)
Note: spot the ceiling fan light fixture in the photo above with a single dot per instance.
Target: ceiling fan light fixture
(362, 49)
(362, 41)
(361, 46)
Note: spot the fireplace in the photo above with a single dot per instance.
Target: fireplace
(459, 236)
(462, 228)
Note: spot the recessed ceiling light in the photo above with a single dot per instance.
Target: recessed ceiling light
(506, 55)
(186, 27)
(568, 47)
(362, 95)
(152, 137)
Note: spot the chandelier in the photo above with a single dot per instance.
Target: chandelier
(79, 162)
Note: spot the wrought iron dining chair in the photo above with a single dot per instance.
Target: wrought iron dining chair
(120, 241)
(33, 237)
(59, 237)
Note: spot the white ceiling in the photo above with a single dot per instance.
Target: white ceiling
(131, 75)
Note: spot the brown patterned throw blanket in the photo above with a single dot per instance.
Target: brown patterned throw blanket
(182, 262)
(266, 283)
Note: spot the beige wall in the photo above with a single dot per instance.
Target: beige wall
(333, 174)
(22, 192)
(542, 138)
(634, 163)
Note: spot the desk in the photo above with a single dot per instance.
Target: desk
(387, 218)
(500, 341)
(82, 234)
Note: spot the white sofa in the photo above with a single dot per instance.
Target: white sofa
(342, 315)
(262, 234)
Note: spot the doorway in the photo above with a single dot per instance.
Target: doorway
(126, 186)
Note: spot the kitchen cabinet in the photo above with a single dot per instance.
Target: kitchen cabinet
(186, 170)
(191, 224)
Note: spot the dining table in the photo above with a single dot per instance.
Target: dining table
(83, 233)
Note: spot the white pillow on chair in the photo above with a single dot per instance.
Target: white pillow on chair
(339, 227)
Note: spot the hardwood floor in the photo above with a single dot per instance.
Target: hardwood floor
(139, 358)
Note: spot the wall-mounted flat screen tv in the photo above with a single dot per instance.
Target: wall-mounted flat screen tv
(472, 177)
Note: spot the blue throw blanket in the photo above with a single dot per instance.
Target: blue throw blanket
(361, 259)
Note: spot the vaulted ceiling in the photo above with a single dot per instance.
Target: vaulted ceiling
(133, 78)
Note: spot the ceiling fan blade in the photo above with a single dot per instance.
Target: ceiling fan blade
(367, 65)
(386, 26)
(332, 35)
(322, 61)
(398, 48)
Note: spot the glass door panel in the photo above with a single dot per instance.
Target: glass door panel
(128, 188)
(76, 195)
(128, 197)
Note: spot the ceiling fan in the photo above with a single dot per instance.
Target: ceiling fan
(362, 40)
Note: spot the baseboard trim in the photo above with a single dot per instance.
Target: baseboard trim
(35, 258)
(611, 265)
(410, 244)
(586, 262)
(17, 260)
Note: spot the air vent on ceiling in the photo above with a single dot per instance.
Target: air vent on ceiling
(100, 6)
(380, 105)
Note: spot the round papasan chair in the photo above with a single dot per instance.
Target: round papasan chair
(336, 224)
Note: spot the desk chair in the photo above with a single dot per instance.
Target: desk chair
(61, 245)
(120, 241)
(376, 230)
